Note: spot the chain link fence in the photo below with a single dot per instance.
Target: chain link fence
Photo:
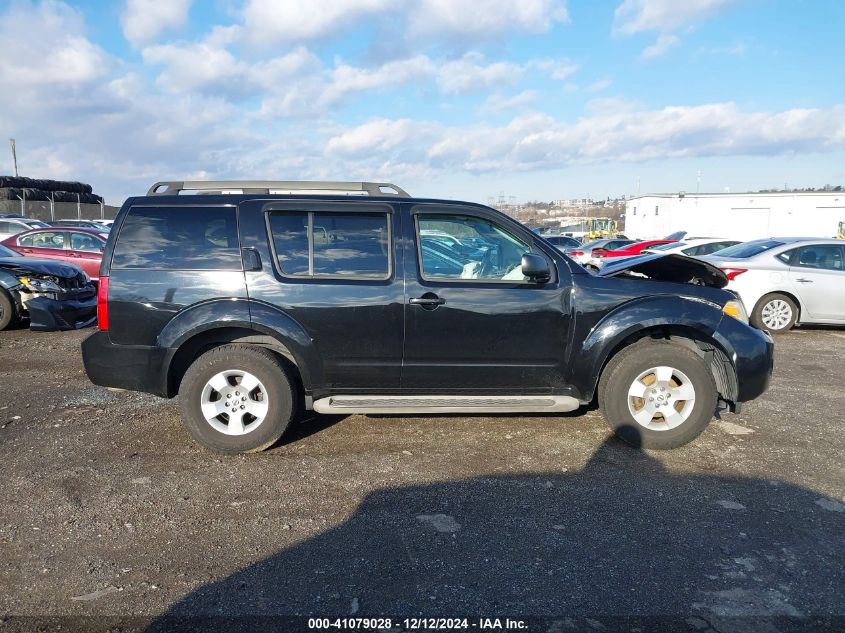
(47, 211)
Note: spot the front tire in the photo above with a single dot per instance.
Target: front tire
(657, 395)
(8, 314)
(776, 313)
(237, 399)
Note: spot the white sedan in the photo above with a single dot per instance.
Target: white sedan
(694, 247)
(784, 281)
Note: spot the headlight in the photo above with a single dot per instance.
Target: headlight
(735, 309)
(39, 285)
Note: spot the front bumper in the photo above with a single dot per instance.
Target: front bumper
(132, 367)
(752, 353)
(47, 314)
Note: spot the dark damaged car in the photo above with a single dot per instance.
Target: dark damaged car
(49, 294)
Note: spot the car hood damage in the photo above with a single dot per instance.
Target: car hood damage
(51, 295)
(669, 267)
(28, 266)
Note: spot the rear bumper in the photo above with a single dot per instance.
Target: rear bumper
(137, 368)
(47, 315)
(752, 353)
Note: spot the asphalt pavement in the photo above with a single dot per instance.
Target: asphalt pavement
(112, 517)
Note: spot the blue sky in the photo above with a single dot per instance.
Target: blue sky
(539, 99)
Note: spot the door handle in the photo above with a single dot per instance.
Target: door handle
(252, 260)
(427, 300)
(804, 281)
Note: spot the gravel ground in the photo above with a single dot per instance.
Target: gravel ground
(110, 510)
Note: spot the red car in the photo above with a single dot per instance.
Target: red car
(83, 247)
(629, 251)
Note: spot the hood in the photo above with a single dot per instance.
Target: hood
(25, 265)
(667, 267)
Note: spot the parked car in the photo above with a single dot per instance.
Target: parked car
(784, 281)
(50, 295)
(80, 224)
(695, 247)
(562, 242)
(236, 303)
(82, 247)
(12, 225)
(602, 254)
(584, 252)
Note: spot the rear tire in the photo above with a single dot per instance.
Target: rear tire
(776, 313)
(8, 313)
(237, 399)
(657, 395)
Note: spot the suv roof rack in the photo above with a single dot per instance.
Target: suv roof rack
(174, 188)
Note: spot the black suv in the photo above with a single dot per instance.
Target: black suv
(256, 299)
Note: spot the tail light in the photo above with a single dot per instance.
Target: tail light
(103, 304)
(733, 273)
(576, 253)
(599, 252)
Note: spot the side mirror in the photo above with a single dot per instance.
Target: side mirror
(536, 267)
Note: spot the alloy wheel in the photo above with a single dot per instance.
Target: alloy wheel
(661, 398)
(234, 402)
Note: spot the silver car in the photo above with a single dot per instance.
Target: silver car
(784, 281)
(13, 225)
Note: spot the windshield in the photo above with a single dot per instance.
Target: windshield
(594, 244)
(749, 249)
(666, 247)
(8, 252)
(37, 224)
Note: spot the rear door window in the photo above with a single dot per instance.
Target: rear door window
(332, 244)
(179, 238)
(47, 239)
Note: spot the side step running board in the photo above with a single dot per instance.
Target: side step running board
(445, 404)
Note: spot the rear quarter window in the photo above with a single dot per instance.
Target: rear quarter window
(179, 238)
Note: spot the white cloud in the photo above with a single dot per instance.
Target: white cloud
(598, 86)
(208, 66)
(144, 20)
(611, 131)
(637, 16)
(269, 21)
(487, 18)
(380, 135)
(470, 74)
(660, 47)
(59, 55)
(349, 79)
(501, 103)
(556, 69)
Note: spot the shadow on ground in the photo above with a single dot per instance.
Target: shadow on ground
(622, 537)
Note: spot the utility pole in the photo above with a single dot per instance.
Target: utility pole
(14, 156)
(698, 183)
(78, 208)
(52, 206)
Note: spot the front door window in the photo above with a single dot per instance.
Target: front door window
(468, 248)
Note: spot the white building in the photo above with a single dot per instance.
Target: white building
(742, 216)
